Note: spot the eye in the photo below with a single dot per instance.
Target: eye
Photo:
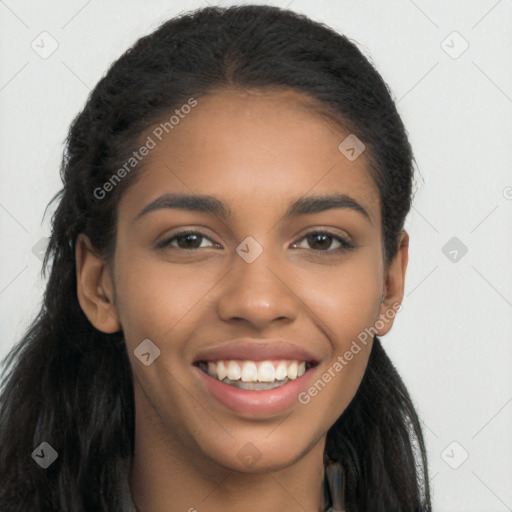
(322, 241)
(187, 240)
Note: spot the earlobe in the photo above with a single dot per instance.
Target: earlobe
(394, 286)
(94, 287)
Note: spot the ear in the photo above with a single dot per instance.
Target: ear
(394, 285)
(94, 287)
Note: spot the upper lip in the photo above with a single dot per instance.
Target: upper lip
(256, 350)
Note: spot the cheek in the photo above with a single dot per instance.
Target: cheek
(346, 297)
(345, 304)
(345, 318)
(156, 299)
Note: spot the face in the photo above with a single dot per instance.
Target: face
(272, 282)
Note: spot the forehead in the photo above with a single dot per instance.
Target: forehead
(253, 147)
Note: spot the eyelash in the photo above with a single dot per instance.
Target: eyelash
(345, 244)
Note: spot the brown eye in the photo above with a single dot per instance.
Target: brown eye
(322, 241)
(187, 240)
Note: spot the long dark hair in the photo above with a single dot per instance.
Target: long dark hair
(70, 385)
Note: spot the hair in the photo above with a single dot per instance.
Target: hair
(70, 385)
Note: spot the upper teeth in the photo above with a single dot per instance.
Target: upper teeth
(256, 371)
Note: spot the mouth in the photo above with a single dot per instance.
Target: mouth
(255, 378)
(255, 375)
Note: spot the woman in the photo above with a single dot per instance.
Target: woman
(227, 248)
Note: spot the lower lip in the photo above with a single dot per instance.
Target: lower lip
(256, 402)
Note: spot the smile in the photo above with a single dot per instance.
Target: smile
(255, 375)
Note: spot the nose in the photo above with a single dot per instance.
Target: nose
(257, 293)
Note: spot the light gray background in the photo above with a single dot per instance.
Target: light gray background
(452, 341)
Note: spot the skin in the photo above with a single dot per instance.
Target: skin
(256, 151)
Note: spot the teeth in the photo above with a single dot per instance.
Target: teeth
(255, 385)
(266, 372)
(292, 371)
(233, 371)
(249, 374)
(281, 371)
(221, 371)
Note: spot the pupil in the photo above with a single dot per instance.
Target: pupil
(189, 237)
(324, 239)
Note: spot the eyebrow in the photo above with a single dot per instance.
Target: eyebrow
(213, 205)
